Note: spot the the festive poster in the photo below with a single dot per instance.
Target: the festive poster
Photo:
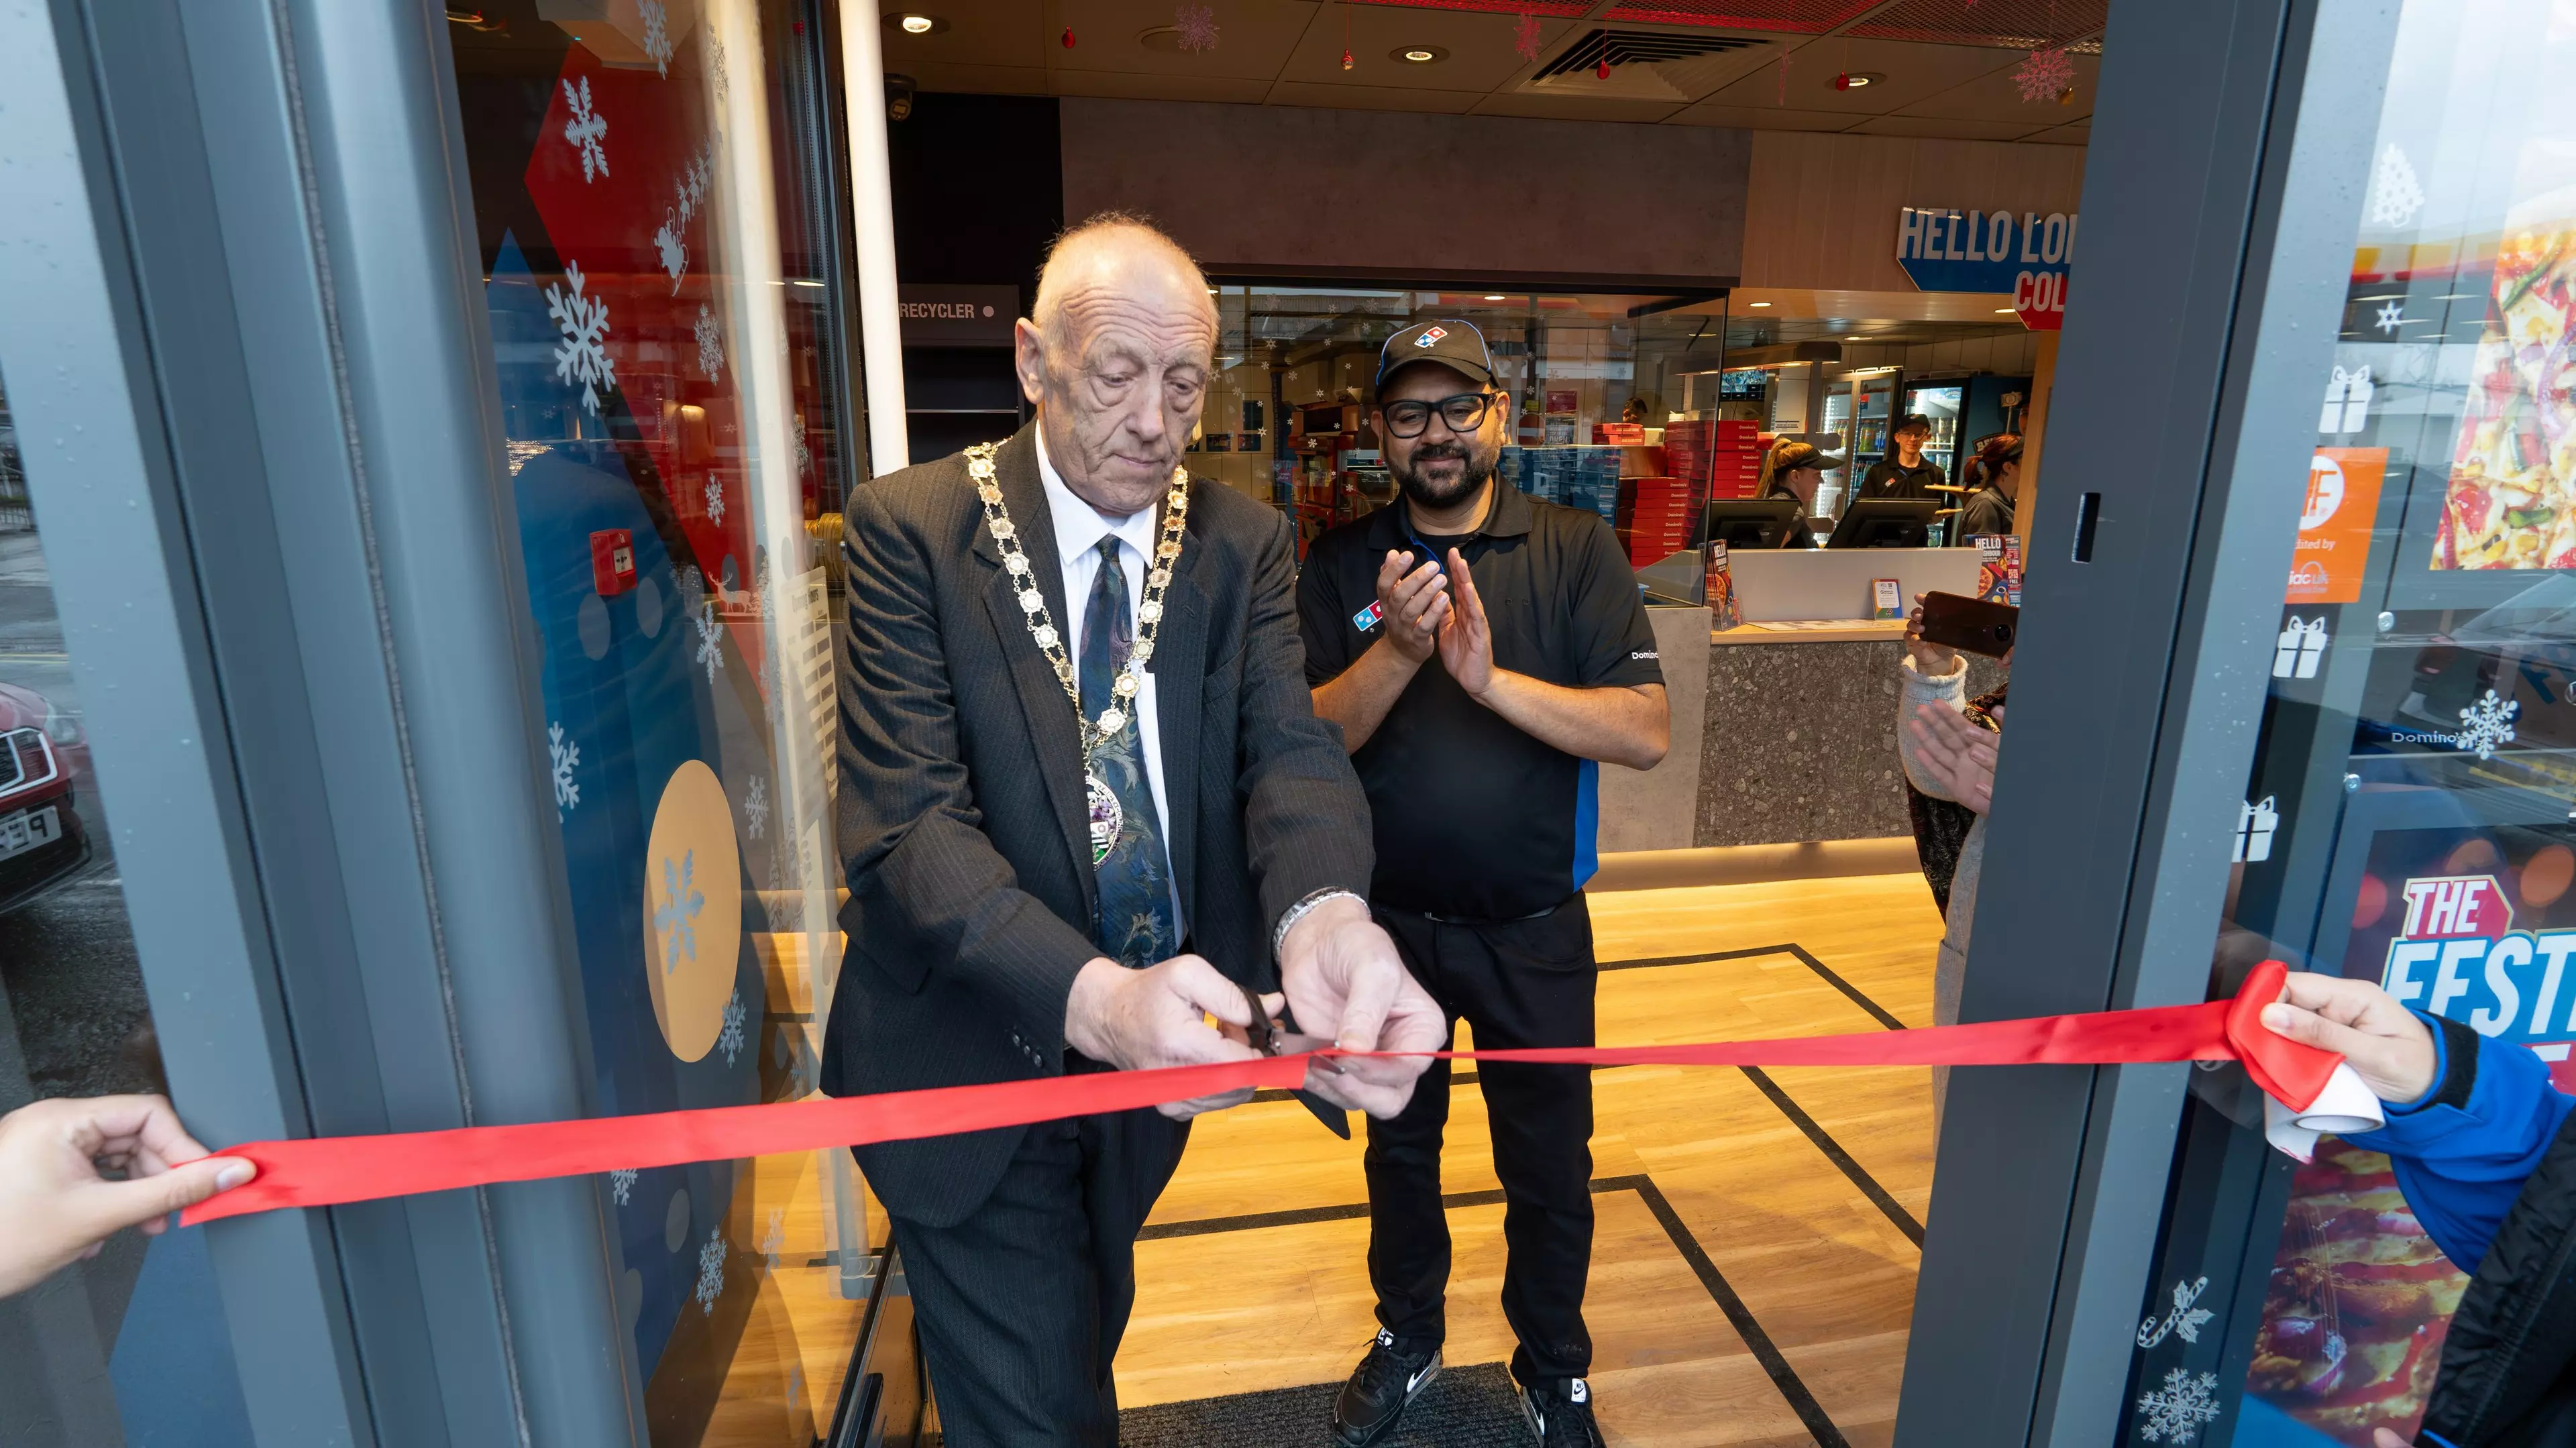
(2335, 520)
(2511, 497)
(2473, 924)
(1723, 610)
(1999, 568)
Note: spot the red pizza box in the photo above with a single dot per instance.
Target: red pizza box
(1619, 434)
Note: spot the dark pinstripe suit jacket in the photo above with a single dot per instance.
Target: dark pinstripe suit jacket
(963, 825)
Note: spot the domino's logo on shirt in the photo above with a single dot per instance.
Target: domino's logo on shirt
(1369, 617)
(1431, 336)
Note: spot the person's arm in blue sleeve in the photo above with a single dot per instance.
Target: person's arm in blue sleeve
(2463, 1148)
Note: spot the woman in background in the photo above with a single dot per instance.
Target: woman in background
(1994, 488)
(1794, 469)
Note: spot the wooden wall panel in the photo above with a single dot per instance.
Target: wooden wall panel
(1820, 209)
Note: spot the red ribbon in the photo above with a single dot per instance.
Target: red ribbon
(326, 1171)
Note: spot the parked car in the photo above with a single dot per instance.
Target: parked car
(42, 842)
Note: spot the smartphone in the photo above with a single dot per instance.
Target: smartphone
(1970, 625)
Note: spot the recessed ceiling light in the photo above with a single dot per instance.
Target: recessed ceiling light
(918, 24)
(1494, 297)
(1757, 304)
(1856, 79)
(2003, 311)
(1418, 54)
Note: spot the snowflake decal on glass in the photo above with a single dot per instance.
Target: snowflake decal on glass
(1197, 24)
(714, 495)
(2184, 1321)
(729, 1040)
(710, 646)
(2486, 724)
(1525, 36)
(755, 806)
(711, 1258)
(657, 35)
(710, 344)
(564, 755)
(2395, 194)
(2176, 1412)
(585, 129)
(692, 186)
(716, 67)
(774, 1241)
(621, 1185)
(804, 460)
(676, 918)
(582, 356)
(672, 247)
(2045, 74)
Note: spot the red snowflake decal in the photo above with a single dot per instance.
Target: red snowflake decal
(1197, 24)
(2045, 75)
(1525, 37)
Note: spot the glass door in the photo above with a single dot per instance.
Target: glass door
(657, 199)
(2408, 811)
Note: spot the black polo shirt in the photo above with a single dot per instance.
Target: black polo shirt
(1475, 819)
(1889, 478)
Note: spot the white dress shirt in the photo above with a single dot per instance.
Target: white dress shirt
(1079, 527)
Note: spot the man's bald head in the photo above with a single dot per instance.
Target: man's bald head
(1117, 358)
(1120, 251)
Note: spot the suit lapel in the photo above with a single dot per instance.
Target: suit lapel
(1180, 676)
(1052, 732)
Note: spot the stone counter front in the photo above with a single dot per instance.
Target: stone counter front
(1800, 742)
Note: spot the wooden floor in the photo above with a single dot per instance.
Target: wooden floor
(1746, 1288)
(1757, 1240)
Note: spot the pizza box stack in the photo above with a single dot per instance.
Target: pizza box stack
(1655, 518)
(1725, 458)
(1619, 434)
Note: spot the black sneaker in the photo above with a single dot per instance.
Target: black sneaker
(1562, 1416)
(1375, 1398)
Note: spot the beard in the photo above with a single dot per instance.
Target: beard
(1421, 489)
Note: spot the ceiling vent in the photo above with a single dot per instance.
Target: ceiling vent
(1656, 65)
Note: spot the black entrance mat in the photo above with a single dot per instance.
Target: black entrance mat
(1469, 1407)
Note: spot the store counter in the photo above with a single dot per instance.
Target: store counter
(1788, 732)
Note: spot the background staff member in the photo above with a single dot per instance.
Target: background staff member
(1794, 469)
(1904, 473)
(1480, 776)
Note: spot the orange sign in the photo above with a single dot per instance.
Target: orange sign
(2334, 524)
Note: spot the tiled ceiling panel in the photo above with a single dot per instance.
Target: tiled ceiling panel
(2021, 24)
(1545, 9)
(1802, 17)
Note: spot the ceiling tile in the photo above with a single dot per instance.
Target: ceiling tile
(2075, 135)
(1572, 108)
(1254, 37)
(1914, 73)
(1997, 97)
(1371, 97)
(1008, 80)
(980, 32)
(1131, 86)
(1809, 17)
(1935, 126)
(2013, 24)
(1480, 46)
(1761, 118)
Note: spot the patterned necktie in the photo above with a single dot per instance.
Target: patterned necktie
(1135, 925)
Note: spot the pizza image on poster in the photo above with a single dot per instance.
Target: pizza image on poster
(2511, 498)
(2473, 924)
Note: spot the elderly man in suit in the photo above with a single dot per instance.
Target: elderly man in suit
(1085, 804)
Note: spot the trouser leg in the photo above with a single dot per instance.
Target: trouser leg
(1408, 1257)
(1534, 986)
(1020, 1306)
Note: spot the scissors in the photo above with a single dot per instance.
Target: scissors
(1280, 1038)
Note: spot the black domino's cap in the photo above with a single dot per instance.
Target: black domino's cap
(1449, 341)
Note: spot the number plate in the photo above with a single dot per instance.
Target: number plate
(29, 829)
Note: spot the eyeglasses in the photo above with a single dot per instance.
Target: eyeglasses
(1463, 413)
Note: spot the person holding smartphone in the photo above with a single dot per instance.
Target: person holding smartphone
(1948, 743)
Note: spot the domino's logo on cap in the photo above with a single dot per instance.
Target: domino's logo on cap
(1453, 342)
(1431, 336)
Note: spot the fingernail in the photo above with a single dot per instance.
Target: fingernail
(234, 1173)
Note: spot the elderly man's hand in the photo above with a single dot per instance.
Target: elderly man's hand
(1140, 1020)
(1345, 981)
(58, 1207)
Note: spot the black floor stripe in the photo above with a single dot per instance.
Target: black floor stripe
(1833, 1150)
(1255, 1221)
(1766, 1352)
(1847, 988)
(1784, 1377)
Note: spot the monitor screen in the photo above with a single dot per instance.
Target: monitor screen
(1752, 523)
(1885, 523)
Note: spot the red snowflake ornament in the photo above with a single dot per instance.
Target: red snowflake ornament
(1197, 25)
(2046, 75)
(1525, 37)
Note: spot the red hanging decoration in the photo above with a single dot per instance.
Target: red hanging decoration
(1068, 37)
(1843, 81)
(1604, 71)
(1347, 62)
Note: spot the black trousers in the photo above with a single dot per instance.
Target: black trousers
(1021, 1306)
(1521, 983)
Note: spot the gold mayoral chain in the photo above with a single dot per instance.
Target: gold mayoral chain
(1106, 813)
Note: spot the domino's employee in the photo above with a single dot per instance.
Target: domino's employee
(1482, 651)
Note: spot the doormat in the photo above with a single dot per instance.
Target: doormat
(1469, 1407)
